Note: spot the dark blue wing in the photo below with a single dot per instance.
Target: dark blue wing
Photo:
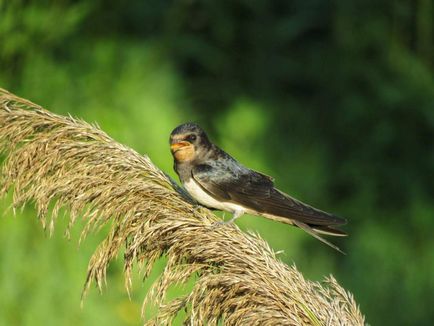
(228, 181)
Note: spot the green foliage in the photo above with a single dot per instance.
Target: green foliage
(334, 99)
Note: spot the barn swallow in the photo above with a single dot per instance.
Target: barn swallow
(216, 180)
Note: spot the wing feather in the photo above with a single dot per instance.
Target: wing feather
(256, 191)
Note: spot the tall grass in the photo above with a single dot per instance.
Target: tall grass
(55, 161)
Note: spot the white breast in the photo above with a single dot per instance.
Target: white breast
(203, 198)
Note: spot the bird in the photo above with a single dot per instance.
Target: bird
(218, 181)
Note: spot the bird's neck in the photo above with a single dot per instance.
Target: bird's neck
(204, 153)
(183, 168)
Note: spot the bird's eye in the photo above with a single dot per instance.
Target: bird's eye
(191, 138)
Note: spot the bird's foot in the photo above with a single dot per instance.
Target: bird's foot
(236, 215)
(218, 224)
(196, 208)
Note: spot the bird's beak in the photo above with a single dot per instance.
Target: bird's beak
(178, 145)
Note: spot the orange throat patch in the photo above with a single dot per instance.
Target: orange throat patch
(185, 154)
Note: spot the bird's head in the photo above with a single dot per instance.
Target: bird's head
(188, 142)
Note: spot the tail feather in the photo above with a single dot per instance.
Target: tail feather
(328, 230)
(314, 232)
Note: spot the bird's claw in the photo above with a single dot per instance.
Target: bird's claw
(218, 224)
(196, 209)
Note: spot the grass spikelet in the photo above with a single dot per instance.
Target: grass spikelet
(62, 162)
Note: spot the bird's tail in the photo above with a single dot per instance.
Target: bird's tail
(314, 230)
(328, 230)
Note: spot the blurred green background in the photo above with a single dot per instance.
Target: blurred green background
(333, 98)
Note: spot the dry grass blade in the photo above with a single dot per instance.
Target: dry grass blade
(64, 162)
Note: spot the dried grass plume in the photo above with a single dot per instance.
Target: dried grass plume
(55, 161)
